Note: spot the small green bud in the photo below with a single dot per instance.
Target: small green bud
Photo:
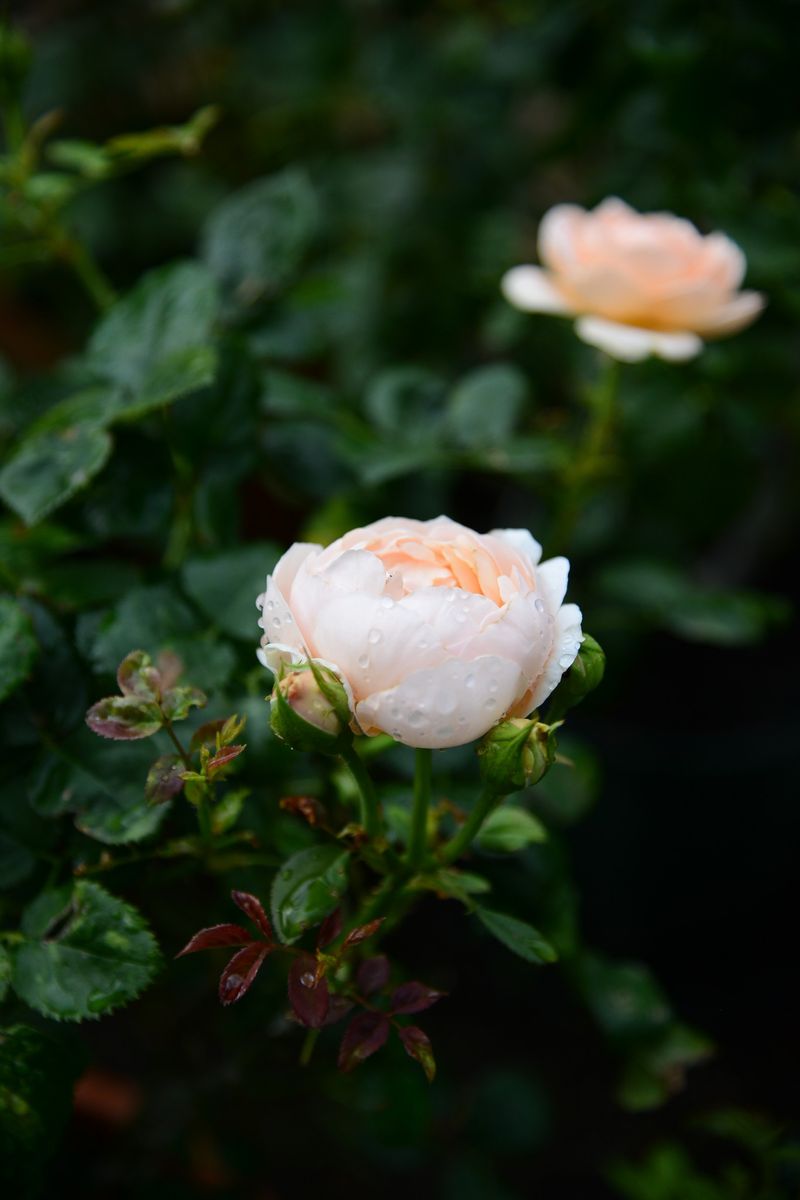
(582, 677)
(516, 754)
(310, 711)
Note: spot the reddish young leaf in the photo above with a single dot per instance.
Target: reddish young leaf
(365, 1034)
(417, 1043)
(372, 975)
(227, 754)
(137, 677)
(124, 718)
(254, 909)
(308, 995)
(338, 1007)
(362, 932)
(240, 972)
(305, 806)
(413, 997)
(330, 928)
(164, 779)
(216, 936)
(170, 668)
(206, 735)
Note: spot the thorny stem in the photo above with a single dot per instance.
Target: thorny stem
(419, 811)
(369, 811)
(201, 806)
(471, 827)
(593, 448)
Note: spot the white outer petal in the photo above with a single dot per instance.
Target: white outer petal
(551, 580)
(631, 343)
(277, 619)
(448, 705)
(566, 643)
(532, 290)
(522, 541)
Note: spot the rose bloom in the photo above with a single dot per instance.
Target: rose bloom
(640, 283)
(437, 632)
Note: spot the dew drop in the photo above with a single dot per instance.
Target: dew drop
(490, 702)
(470, 681)
(387, 602)
(308, 979)
(417, 719)
(374, 636)
(276, 621)
(270, 605)
(538, 605)
(363, 660)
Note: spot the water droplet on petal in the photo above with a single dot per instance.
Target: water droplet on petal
(276, 621)
(538, 605)
(374, 636)
(363, 660)
(490, 702)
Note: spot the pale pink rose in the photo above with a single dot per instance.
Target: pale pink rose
(640, 283)
(437, 632)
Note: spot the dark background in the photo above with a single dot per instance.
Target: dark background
(437, 135)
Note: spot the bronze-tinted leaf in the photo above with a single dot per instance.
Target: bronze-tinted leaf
(417, 1043)
(164, 779)
(226, 755)
(413, 997)
(254, 909)
(305, 806)
(124, 718)
(240, 972)
(330, 928)
(365, 1034)
(362, 932)
(137, 676)
(308, 992)
(216, 936)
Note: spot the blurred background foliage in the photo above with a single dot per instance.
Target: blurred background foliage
(307, 239)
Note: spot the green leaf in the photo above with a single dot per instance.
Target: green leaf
(103, 784)
(624, 998)
(225, 586)
(667, 597)
(100, 955)
(518, 936)
(485, 405)
(156, 619)
(406, 402)
(307, 888)
(18, 646)
(48, 469)
(658, 1069)
(257, 238)
(155, 343)
(448, 881)
(509, 829)
(38, 1069)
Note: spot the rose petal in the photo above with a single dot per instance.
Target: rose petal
(629, 343)
(532, 290)
(567, 639)
(442, 706)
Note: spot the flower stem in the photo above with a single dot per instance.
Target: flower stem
(309, 1043)
(470, 829)
(368, 809)
(591, 451)
(419, 812)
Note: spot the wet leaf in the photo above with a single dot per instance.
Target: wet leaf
(306, 888)
(308, 994)
(240, 972)
(216, 936)
(365, 1035)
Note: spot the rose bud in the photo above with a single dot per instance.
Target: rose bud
(582, 677)
(516, 754)
(309, 710)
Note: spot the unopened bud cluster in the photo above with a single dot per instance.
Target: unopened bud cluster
(309, 709)
(516, 754)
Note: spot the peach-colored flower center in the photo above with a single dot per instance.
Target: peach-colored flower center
(412, 564)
